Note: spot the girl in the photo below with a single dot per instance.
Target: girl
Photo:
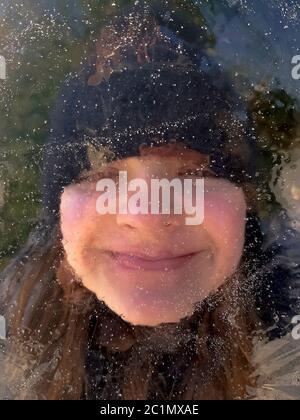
(142, 306)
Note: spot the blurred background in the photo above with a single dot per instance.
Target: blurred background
(43, 42)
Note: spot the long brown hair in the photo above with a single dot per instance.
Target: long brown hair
(60, 335)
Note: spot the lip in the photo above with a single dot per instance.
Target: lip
(131, 261)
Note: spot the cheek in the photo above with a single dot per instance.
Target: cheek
(78, 213)
(225, 221)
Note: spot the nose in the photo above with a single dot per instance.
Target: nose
(149, 222)
(159, 217)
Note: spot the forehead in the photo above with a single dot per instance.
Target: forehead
(172, 152)
(166, 155)
(176, 150)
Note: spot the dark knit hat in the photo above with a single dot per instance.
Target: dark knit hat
(143, 84)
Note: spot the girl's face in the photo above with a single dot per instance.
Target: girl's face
(153, 268)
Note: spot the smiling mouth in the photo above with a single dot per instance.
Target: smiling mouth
(144, 263)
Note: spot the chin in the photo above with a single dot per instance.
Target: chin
(151, 316)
